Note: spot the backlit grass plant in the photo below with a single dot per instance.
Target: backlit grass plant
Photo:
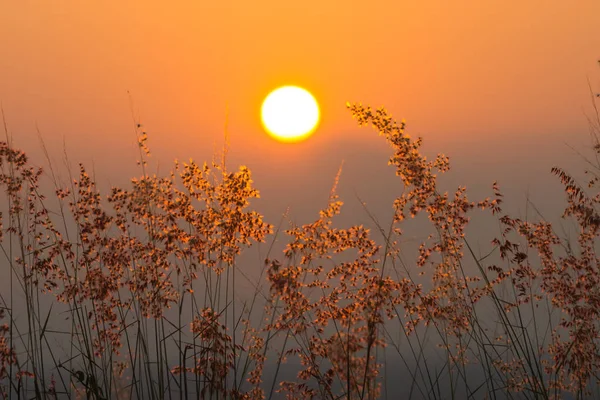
(134, 294)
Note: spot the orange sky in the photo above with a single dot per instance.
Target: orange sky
(499, 86)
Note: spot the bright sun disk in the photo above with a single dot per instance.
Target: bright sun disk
(290, 114)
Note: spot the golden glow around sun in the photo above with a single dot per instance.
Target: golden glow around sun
(290, 114)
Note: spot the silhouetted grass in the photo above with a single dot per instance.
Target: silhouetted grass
(134, 294)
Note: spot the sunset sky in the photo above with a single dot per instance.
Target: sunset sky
(499, 86)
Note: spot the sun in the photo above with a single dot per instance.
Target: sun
(290, 114)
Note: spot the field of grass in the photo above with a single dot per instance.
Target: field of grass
(134, 293)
